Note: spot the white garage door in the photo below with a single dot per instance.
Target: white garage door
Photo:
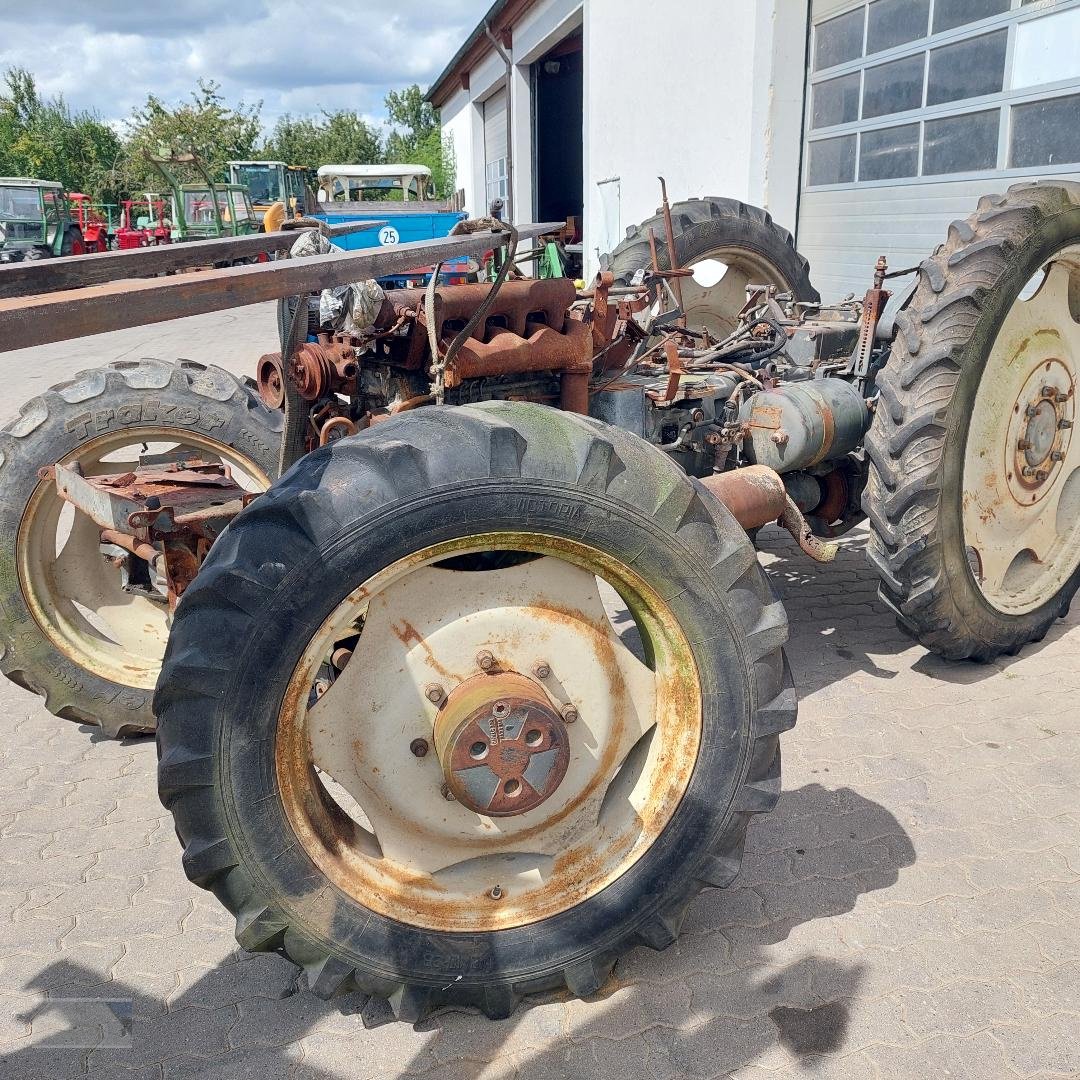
(916, 108)
(495, 173)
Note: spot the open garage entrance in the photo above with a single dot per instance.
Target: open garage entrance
(558, 145)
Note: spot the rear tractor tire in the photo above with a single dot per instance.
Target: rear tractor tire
(741, 237)
(69, 631)
(974, 485)
(439, 770)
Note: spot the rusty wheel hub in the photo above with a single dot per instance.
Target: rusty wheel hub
(1042, 418)
(503, 747)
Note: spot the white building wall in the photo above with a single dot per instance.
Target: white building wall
(708, 94)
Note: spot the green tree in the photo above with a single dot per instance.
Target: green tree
(207, 124)
(45, 139)
(341, 137)
(416, 137)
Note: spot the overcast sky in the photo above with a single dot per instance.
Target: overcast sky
(296, 57)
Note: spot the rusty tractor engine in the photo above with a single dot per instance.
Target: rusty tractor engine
(783, 393)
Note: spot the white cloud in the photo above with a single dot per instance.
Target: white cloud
(107, 55)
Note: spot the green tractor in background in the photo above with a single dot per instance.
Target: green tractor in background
(36, 221)
(204, 209)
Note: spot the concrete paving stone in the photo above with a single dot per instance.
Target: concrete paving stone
(713, 909)
(560, 1061)
(268, 1022)
(466, 1035)
(943, 1057)
(631, 1010)
(153, 955)
(251, 977)
(710, 951)
(99, 1071)
(30, 1062)
(78, 896)
(44, 970)
(1004, 909)
(38, 933)
(718, 1046)
(961, 1008)
(282, 1063)
(1057, 942)
(1018, 870)
(1049, 1044)
(15, 1008)
(1065, 895)
(751, 993)
(1056, 990)
(15, 849)
(60, 870)
(896, 925)
(189, 1032)
(919, 883)
(1049, 800)
(810, 899)
(369, 1053)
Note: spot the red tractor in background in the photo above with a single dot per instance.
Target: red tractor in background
(93, 225)
(143, 223)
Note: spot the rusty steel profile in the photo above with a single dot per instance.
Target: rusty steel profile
(117, 305)
(32, 278)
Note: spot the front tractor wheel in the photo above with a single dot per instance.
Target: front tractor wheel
(509, 688)
(83, 623)
(974, 486)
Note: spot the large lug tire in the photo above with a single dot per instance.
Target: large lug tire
(973, 493)
(94, 673)
(231, 763)
(744, 237)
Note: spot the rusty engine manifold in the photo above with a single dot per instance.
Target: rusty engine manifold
(528, 329)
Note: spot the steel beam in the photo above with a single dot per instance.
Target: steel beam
(76, 271)
(116, 305)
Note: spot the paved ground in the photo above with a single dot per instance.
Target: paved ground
(910, 910)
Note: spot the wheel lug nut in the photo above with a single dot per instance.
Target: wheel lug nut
(1064, 425)
(1056, 455)
(434, 693)
(496, 892)
(1060, 399)
(1023, 444)
(569, 713)
(419, 747)
(542, 671)
(1030, 411)
(1050, 391)
(484, 660)
(500, 710)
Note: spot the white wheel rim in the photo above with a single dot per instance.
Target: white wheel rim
(75, 597)
(715, 308)
(374, 816)
(1021, 492)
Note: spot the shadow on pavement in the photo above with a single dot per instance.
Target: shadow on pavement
(715, 1001)
(839, 626)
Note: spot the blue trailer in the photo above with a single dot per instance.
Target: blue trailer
(348, 193)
